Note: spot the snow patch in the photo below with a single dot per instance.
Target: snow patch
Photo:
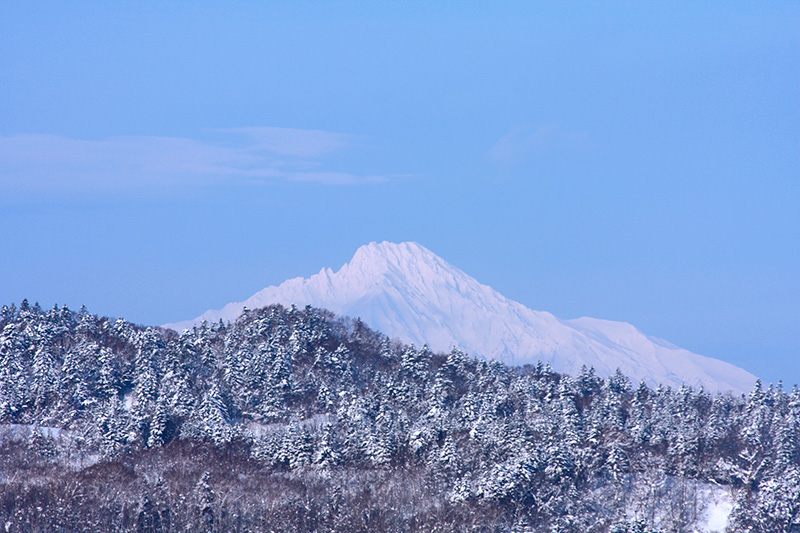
(127, 401)
(718, 507)
(16, 432)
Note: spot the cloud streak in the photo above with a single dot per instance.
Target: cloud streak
(50, 164)
(524, 144)
(295, 142)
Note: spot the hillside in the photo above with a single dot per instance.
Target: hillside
(295, 420)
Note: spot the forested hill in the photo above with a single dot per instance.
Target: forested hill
(295, 420)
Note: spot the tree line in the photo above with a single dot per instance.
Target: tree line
(297, 420)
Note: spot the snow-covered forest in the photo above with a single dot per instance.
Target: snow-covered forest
(296, 420)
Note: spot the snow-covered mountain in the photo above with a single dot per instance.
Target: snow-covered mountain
(406, 291)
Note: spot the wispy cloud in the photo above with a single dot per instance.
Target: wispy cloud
(294, 142)
(524, 143)
(50, 164)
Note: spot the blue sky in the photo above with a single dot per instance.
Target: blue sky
(630, 161)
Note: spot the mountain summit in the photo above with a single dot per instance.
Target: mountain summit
(406, 291)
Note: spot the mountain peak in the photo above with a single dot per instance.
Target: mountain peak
(388, 254)
(391, 249)
(407, 265)
(406, 291)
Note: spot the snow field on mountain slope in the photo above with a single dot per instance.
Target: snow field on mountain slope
(407, 292)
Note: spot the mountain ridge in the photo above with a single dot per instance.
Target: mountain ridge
(406, 291)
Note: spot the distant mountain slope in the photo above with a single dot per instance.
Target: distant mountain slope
(407, 291)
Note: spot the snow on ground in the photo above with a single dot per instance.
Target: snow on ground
(18, 432)
(718, 507)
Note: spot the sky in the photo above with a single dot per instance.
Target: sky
(633, 161)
